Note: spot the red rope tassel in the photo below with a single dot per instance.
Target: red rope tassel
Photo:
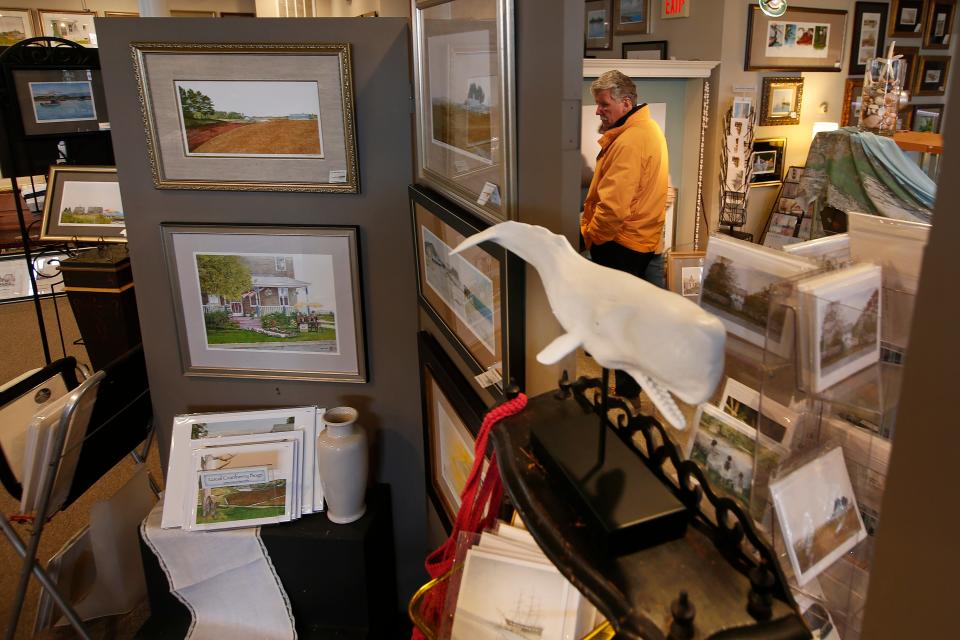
(479, 505)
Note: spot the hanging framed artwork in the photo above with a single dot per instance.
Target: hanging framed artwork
(649, 50)
(869, 31)
(83, 203)
(926, 117)
(15, 25)
(476, 298)
(76, 26)
(931, 79)
(799, 40)
(452, 415)
(910, 55)
(906, 18)
(850, 111)
(780, 101)
(684, 272)
(631, 16)
(597, 33)
(214, 122)
(464, 85)
(939, 24)
(282, 302)
(60, 101)
(767, 159)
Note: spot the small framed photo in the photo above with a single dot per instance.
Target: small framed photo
(474, 297)
(906, 18)
(767, 161)
(83, 203)
(931, 79)
(684, 272)
(631, 16)
(60, 101)
(15, 25)
(794, 174)
(780, 101)
(649, 50)
(799, 40)
(452, 414)
(852, 94)
(249, 117)
(598, 33)
(926, 117)
(280, 302)
(76, 26)
(869, 31)
(818, 514)
(939, 24)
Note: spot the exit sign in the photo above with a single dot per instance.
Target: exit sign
(675, 8)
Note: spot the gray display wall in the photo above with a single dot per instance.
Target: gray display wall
(389, 403)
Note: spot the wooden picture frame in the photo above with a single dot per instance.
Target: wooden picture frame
(631, 17)
(906, 18)
(647, 50)
(487, 333)
(16, 21)
(267, 301)
(932, 75)
(869, 33)
(76, 26)
(910, 55)
(767, 157)
(214, 123)
(926, 117)
(780, 101)
(452, 416)
(939, 24)
(121, 14)
(684, 264)
(598, 25)
(779, 44)
(83, 204)
(850, 110)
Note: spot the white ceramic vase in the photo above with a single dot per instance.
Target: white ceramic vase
(342, 458)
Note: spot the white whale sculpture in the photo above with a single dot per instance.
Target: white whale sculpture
(662, 340)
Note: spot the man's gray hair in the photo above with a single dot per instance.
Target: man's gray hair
(619, 86)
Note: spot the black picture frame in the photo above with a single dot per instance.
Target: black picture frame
(777, 146)
(659, 46)
(906, 18)
(506, 272)
(437, 370)
(924, 83)
(939, 24)
(863, 11)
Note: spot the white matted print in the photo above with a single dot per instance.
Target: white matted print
(62, 101)
(818, 514)
(454, 450)
(798, 39)
(691, 279)
(90, 203)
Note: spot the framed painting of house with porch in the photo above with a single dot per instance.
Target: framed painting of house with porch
(267, 302)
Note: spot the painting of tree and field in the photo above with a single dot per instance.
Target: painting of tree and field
(250, 118)
(741, 295)
(848, 330)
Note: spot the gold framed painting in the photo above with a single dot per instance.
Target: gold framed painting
(248, 117)
(780, 101)
(850, 110)
(15, 25)
(83, 204)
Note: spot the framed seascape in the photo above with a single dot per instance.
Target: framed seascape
(474, 297)
(249, 117)
(597, 34)
(452, 415)
(799, 40)
(83, 204)
(60, 101)
(267, 301)
(631, 16)
(463, 69)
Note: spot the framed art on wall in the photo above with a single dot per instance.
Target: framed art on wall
(83, 203)
(939, 24)
(474, 297)
(926, 117)
(931, 79)
(452, 415)
(463, 53)
(799, 40)
(767, 158)
(257, 301)
(76, 26)
(869, 30)
(60, 101)
(649, 50)
(850, 111)
(15, 25)
(631, 16)
(685, 272)
(906, 18)
(249, 117)
(780, 101)
(597, 34)
(910, 56)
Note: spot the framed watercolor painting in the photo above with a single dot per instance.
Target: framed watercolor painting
(15, 25)
(83, 203)
(939, 24)
(767, 158)
(474, 297)
(597, 33)
(249, 117)
(267, 301)
(464, 83)
(926, 117)
(60, 101)
(452, 415)
(76, 26)
(631, 16)
(869, 30)
(931, 78)
(780, 101)
(906, 18)
(799, 40)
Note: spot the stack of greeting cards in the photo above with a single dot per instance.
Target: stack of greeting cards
(510, 589)
(242, 469)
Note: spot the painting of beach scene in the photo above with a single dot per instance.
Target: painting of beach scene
(90, 203)
(62, 101)
(268, 302)
(260, 119)
(14, 27)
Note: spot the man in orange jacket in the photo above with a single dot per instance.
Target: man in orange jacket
(624, 212)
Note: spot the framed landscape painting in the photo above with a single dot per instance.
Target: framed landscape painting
(631, 16)
(249, 117)
(15, 25)
(76, 26)
(926, 117)
(60, 101)
(83, 203)
(463, 69)
(780, 101)
(597, 34)
(474, 297)
(799, 40)
(267, 301)
(869, 29)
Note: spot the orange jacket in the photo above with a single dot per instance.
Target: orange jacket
(627, 198)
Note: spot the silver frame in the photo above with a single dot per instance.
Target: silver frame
(352, 235)
(508, 169)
